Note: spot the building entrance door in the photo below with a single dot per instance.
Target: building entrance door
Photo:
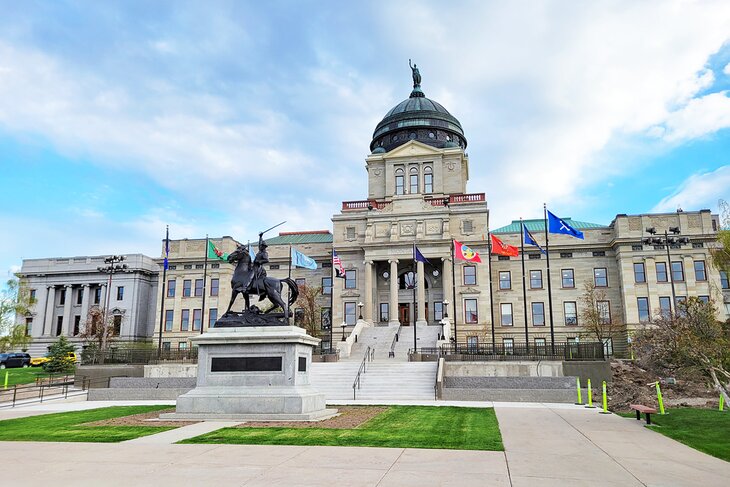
(404, 313)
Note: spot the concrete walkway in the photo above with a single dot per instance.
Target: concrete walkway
(546, 445)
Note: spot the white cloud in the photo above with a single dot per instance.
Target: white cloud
(726, 69)
(700, 116)
(701, 190)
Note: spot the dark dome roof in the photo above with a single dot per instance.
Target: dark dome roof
(418, 118)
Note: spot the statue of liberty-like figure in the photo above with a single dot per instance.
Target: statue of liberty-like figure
(416, 75)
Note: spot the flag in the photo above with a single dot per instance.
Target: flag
(337, 264)
(529, 239)
(501, 248)
(418, 256)
(558, 225)
(215, 253)
(166, 264)
(298, 259)
(463, 252)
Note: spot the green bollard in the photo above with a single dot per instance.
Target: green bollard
(590, 396)
(722, 402)
(605, 400)
(659, 398)
(6, 379)
(577, 386)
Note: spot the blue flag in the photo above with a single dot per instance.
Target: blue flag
(166, 264)
(298, 259)
(251, 253)
(558, 225)
(418, 256)
(529, 239)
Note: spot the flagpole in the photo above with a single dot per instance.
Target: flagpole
(550, 292)
(332, 295)
(491, 294)
(524, 285)
(164, 282)
(453, 289)
(288, 291)
(205, 284)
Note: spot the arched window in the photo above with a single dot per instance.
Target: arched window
(414, 180)
(399, 181)
(407, 280)
(427, 180)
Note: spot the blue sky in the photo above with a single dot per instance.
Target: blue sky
(117, 118)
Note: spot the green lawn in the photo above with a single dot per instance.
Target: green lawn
(67, 426)
(706, 430)
(23, 376)
(398, 427)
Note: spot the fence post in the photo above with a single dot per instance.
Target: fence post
(590, 396)
(6, 378)
(577, 386)
(659, 398)
(722, 402)
(605, 400)
(15, 393)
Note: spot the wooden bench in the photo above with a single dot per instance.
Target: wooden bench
(639, 408)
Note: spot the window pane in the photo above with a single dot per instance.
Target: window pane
(665, 306)
(212, 317)
(187, 287)
(326, 318)
(470, 311)
(350, 279)
(570, 310)
(700, 274)
(506, 309)
(198, 287)
(538, 314)
(725, 283)
(399, 184)
(639, 274)
(350, 313)
(428, 183)
(600, 277)
(438, 311)
(185, 320)
(168, 319)
(661, 272)
(677, 271)
(384, 312)
(604, 311)
(643, 305)
(197, 318)
(326, 286)
(535, 279)
(414, 184)
(120, 293)
(567, 275)
(214, 287)
(171, 284)
(505, 280)
(470, 275)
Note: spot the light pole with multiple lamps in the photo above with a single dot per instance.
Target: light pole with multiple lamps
(446, 315)
(359, 306)
(113, 266)
(667, 242)
(343, 325)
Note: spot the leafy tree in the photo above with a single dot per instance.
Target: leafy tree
(596, 321)
(15, 300)
(311, 310)
(721, 252)
(690, 340)
(59, 362)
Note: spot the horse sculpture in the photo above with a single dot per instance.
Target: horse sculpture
(246, 283)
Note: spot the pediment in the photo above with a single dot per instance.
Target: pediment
(413, 148)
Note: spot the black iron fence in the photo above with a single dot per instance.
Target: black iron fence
(517, 351)
(139, 356)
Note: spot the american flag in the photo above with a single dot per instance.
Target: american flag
(337, 264)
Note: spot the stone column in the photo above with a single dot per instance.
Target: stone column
(421, 293)
(394, 320)
(85, 299)
(67, 310)
(368, 315)
(50, 308)
(448, 286)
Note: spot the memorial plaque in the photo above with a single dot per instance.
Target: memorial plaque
(302, 364)
(246, 364)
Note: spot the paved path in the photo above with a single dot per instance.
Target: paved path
(546, 445)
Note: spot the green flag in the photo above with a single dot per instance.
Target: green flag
(215, 253)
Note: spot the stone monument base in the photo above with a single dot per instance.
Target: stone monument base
(253, 374)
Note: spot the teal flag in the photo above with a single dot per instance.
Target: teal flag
(298, 259)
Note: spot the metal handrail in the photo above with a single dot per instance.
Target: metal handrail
(391, 354)
(369, 356)
(38, 391)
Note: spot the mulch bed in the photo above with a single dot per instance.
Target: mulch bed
(348, 417)
(142, 419)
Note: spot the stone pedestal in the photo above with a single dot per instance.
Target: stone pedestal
(255, 373)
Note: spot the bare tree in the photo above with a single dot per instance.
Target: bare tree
(692, 340)
(596, 320)
(721, 252)
(97, 330)
(310, 309)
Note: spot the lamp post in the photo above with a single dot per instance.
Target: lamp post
(446, 315)
(359, 307)
(667, 241)
(343, 325)
(113, 266)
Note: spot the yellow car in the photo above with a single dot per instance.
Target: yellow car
(38, 361)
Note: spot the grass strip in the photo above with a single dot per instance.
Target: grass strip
(450, 428)
(21, 376)
(68, 426)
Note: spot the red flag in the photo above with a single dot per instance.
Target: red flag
(501, 248)
(463, 252)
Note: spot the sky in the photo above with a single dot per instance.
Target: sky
(227, 117)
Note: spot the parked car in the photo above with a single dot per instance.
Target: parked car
(38, 361)
(10, 360)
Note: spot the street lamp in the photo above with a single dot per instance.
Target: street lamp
(446, 308)
(343, 325)
(113, 266)
(359, 306)
(667, 241)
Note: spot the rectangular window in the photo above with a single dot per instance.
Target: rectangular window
(470, 275)
(326, 286)
(197, 319)
(472, 342)
(724, 282)
(28, 326)
(534, 256)
(384, 312)
(182, 346)
(62, 297)
(505, 280)
(468, 226)
(643, 305)
(300, 281)
(535, 279)
(274, 267)
(171, 284)
(117, 325)
(570, 310)
(32, 294)
(604, 311)
(198, 287)
(471, 315)
(212, 317)
(700, 272)
(661, 272)
(568, 279)
(185, 320)
(187, 287)
(77, 325)
(80, 296)
(59, 325)
(428, 183)
(97, 295)
(168, 319)
(215, 286)
(600, 277)
(506, 311)
(326, 318)
(538, 314)
(566, 255)
(438, 311)
(198, 266)
(540, 345)
(665, 306)
(350, 317)
(298, 316)
(351, 279)
(188, 266)
(166, 346)
(677, 271)
(414, 184)
(509, 345)
(503, 257)
(399, 184)
(120, 293)
(599, 253)
(704, 299)
(639, 272)
(215, 266)
(608, 346)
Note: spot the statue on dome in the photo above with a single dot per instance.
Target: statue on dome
(416, 75)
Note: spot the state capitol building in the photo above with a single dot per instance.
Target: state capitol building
(417, 192)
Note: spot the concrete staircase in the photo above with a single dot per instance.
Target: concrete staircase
(426, 337)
